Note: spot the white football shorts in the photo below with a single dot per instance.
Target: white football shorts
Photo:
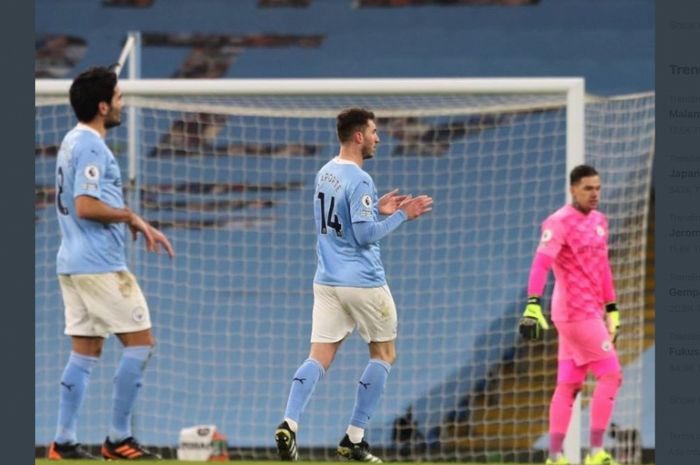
(103, 303)
(339, 310)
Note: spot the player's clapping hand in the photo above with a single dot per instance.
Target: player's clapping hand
(416, 206)
(389, 202)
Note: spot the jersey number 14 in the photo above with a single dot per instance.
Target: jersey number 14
(329, 220)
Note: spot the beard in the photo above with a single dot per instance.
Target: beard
(112, 123)
(113, 119)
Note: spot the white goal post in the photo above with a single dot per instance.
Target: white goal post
(573, 88)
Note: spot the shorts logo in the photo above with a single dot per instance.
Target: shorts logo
(599, 229)
(546, 235)
(606, 346)
(138, 314)
(367, 201)
(92, 172)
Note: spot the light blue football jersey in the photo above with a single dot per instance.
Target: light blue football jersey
(86, 166)
(345, 194)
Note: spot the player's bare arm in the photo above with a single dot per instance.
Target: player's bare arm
(93, 209)
(90, 208)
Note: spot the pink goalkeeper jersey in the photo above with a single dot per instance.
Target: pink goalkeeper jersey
(578, 243)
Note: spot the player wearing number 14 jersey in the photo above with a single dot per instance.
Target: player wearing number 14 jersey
(350, 289)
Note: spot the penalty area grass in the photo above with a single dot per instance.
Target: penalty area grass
(242, 462)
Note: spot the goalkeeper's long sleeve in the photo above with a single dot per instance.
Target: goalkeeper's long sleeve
(608, 285)
(368, 232)
(538, 273)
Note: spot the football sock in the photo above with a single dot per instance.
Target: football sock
(560, 414)
(74, 383)
(369, 390)
(602, 406)
(127, 382)
(303, 384)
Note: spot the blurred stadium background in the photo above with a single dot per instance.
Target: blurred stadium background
(230, 189)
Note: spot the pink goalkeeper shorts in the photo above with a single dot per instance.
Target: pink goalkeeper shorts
(584, 341)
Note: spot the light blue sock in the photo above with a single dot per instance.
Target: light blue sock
(369, 391)
(127, 381)
(74, 383)
(303, 384)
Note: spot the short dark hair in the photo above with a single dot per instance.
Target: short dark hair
(581, 171)
(90, 88)
(351, 120)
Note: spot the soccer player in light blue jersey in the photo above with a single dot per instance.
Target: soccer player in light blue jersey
(350, 289)
(100, 295)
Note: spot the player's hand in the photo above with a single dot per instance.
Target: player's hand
(389, 202)
(161, 240)
(613, 317)
(533, 323)
(414, 207)
(138, 225)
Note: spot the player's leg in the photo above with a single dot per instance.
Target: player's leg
(570, 380)
(374, 312)
(330, 325)
(370, 387)
(117, 304)
(305, 378)
(128, 379)
(608, 373)
(86, 345)
(592, 348)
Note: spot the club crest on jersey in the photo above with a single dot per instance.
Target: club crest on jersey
(606, 346)
(92, 172)
(599, 229)
(367, 201)
(546, 235)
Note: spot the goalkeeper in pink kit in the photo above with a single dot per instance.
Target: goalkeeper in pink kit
(574, 243)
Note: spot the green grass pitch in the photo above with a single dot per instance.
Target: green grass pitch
(248, 462)
(237, 462)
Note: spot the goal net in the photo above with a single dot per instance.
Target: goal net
(229, 178)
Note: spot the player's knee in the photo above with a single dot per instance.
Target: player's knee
(390, 355)
(142, 353)
(568, 390)
(385, 351)
(614, 379)
(149, 340)
(390, 358)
